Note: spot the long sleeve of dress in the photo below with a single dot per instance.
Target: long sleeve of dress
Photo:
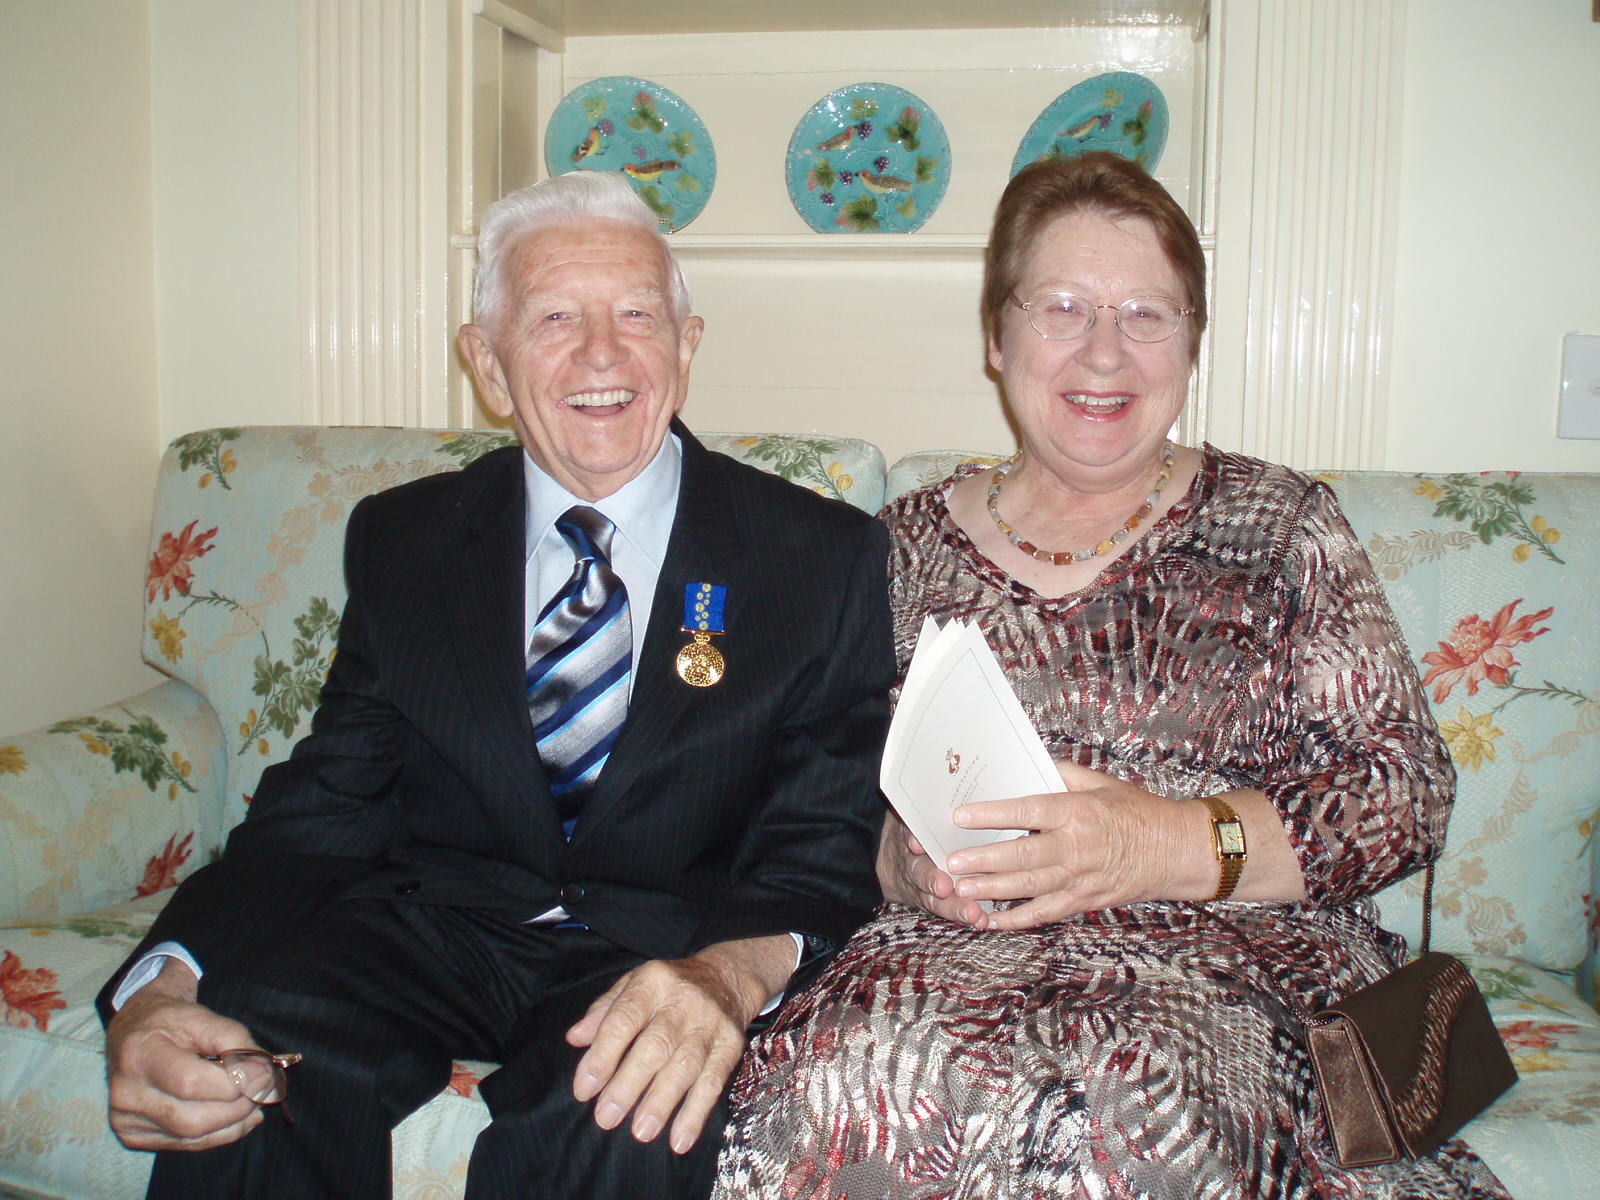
(1353, 759)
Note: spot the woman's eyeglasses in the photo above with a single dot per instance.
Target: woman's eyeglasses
(1062, 317)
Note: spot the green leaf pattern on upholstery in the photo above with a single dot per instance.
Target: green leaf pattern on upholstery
(1493, 506)
(135, 747)
(289, 690)
(204, 449)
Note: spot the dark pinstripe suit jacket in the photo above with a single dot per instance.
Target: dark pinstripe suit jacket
(742, 809)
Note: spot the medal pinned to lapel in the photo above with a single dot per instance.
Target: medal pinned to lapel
(700, 663)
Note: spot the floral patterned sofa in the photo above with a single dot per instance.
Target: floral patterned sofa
(1491, 576)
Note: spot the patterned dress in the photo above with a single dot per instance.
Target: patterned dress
(1137, 1051)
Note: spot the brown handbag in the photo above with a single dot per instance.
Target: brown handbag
(1404, 1063)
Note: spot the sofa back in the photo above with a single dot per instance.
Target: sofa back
(1491, 577)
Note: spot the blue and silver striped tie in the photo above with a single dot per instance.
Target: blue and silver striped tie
(578, 664)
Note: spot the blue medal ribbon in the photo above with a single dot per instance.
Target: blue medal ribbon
(700, 664)
(703, 605)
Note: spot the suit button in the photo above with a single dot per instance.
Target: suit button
(408, 887)
(572, 892)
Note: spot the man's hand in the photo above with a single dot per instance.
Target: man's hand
(668, 1034)
(908, 876)
(163, 1094)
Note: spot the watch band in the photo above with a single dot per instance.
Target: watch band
(1227, 839)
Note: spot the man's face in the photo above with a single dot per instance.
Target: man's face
(587, 356)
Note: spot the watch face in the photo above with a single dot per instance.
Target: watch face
(1230, 836)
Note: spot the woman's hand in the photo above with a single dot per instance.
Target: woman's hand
(1103, 842)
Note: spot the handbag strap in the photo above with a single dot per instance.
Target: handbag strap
(1427, 911)
(1288, 997)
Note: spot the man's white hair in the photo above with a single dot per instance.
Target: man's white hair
(571, 199)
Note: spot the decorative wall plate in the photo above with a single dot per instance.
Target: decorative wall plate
(870, 158)
(620, 123)
(1119, 111)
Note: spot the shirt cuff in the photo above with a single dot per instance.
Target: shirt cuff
(148, 967)
(799, 951)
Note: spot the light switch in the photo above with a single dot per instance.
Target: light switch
(1579, 413)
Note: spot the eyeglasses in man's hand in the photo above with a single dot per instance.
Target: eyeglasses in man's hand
(259, 1076)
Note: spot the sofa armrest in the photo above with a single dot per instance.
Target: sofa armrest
(115, 804)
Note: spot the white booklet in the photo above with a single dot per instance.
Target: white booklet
(959, 735)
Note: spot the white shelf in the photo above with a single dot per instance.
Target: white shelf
(825, 247)
(622, 18)
(859, 247)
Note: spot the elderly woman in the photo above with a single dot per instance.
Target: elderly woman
(1101, 1007)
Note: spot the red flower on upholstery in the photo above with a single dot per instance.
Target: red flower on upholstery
(169, 565)
(27, 995)
(1479, 650)
(161, 872)
(1533, 1035)
(462, 1081)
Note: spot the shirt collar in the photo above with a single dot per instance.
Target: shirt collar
(642, 509)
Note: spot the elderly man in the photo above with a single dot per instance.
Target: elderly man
(591, 783)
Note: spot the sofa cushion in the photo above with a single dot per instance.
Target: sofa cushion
(843, 468)
(1543, 1136)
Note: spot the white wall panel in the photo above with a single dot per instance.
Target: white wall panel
(1309, 97)
(373, 225)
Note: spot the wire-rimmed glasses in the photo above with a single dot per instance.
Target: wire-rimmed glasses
(1062, 317)
(259, 1076)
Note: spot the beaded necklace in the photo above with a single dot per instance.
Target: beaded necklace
(1105, 545)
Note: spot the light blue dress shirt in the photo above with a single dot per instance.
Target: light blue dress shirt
(642, 510)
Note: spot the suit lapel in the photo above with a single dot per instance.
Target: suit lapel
(705, 546)
(483, 583)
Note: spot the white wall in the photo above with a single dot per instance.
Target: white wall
(1499, 237)
(224, 158)
(80, 446)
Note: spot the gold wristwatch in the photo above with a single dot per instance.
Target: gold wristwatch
(1227, 838)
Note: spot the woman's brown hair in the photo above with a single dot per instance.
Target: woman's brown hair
(1099, 182)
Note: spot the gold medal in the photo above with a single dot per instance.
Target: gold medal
(700, 663)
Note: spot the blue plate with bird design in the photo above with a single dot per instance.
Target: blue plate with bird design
(1118, 111)
(870, 158)
(620, 123)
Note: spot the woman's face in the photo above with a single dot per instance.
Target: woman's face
(1096, 410)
